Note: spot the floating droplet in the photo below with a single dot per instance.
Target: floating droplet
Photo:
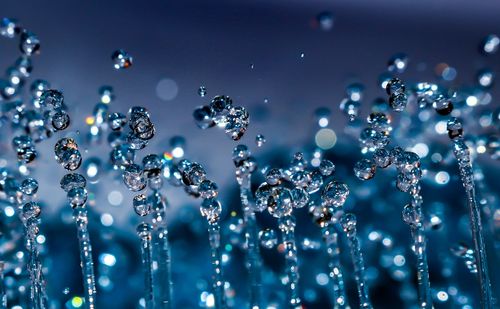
(326, 167)
(490, 44)
(211, 209)
(72, 180)
(142, 207)
(454, 127)
(365, 169)
(29, 186)
(30, 44)
(9, 27)
(260, 140)
(133, 177)
(60, 120)
(398, 63)
(268, 238)
(121, 59)
(77, 197)
(202, 91)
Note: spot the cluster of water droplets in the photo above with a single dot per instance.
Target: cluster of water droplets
(221, 112)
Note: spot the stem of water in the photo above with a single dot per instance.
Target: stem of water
(287, 227)
(216, 254)
(332, 248)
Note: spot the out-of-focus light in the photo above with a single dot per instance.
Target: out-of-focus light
(442, 177)
(167, 89)
(9, 211)
(325, 138)
(115, 198)
(481, 149)
(178, 152)
(323, 122)
(421, 149)
(90, 120)
(442, 296)
(108, 259)
(107, 219)
(471, 100)
(399, 260)
(77, 302)
(322, 279)
(440, 127)
(40, 239)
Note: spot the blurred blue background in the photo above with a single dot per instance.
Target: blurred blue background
(251, 51)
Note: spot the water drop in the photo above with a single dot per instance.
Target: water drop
(30, 44)
(268, 238)
(260, 140)
(202, 91)
(365, 169)
(29, 186)
(141, 204)
(121, 59)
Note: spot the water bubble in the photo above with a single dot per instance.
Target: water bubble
(202, 91)
(29, 44)
(335, 193)
(133, 177)
(455, 128)
(365, 169)
(67, 154)
(398, 63)
(325, 20)
(121, 59)
(117, 121)
(73, 180)
(211, 209)
(77, 197)
(142, 207)
(326, 167)
(9, 27)
(280, 202)
(31, 210)
(398, 101)
(60, 120)
(237, 122)
(490, 44)
(268, 238)
(29, 186)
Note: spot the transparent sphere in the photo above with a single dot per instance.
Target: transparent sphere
(202, 91)
(71, 181)
(326, 167)
(133, 177)
(60, 120)
(268, 238)
(348, 223)
(300, 197)
(77, 197)
(204, 117)
(382, 157)
(31, 210)
(365, 169)
(211, 210)
(241, 153)
(208, 189)
(117, 121)
(260, 140)
(455, 128)
(274, 176)
(394, 86)
(335, 193)
(280, 202)
(51, 98)
(29, 186)
(398, 101)
(144, 230)
(142, 207)
(237, 121)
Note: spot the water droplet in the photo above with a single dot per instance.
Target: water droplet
(485, 78)
(454, 127)
(268, 238)
(260, 140)
(117, 121)
(77, 197)
(204, 117)
(133, 177)
(31, 210)
(144, 230)
(300, 197)
(365, 169)
(202, 91)
(141, 204)
(107, 94)
(398, 63)
(72, 180)
(238, 120)
(335, 193)
(67, 154)
(382, 157)
(121, 59)
(274, 176)
(348, 222)
(30, 44)
(442, 105)
(325, 20)
(211, 209)
(208, 189)
(280, 202)
(326, 167)
(9, 27)
(60, 120)
(398, 101)
(350, 108)
(490, 44)
(29, 186)
(394, 86)
(51, 98)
